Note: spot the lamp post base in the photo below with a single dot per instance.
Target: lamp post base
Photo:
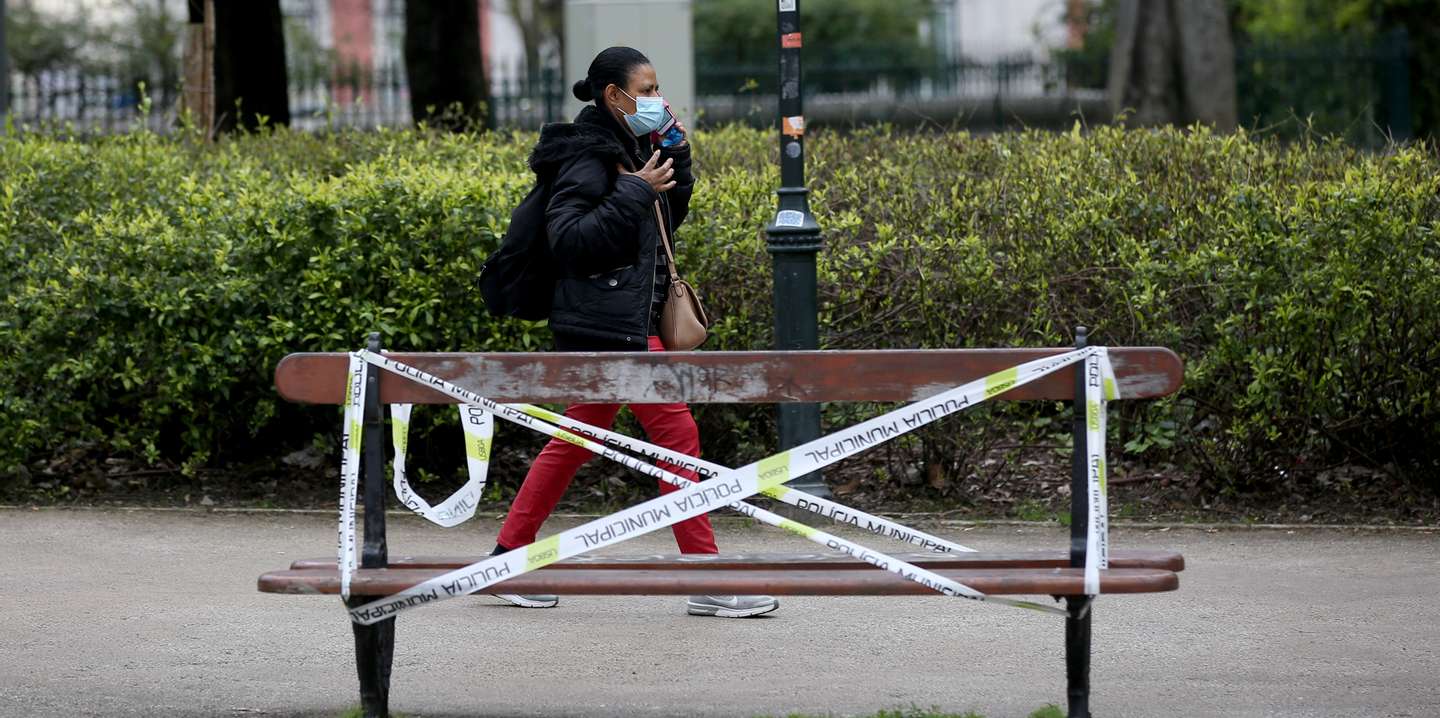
(793, 253)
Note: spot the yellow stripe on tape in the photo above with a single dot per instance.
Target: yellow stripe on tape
(776, 492)
(543, 552)
(400, 431)
(795, 527)
(773, 471)
(538, 413)
(477, 448)
(566, 436)
(1000, 381)
(1031, 605)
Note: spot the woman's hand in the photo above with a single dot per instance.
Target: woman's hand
(657, 174)
(681, 126)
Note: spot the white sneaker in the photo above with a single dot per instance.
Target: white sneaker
(535, 601)
(731, 606)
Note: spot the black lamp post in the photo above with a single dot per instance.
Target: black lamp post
(793, 239)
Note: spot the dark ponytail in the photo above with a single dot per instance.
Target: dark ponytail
(582, 91)
(611, 67)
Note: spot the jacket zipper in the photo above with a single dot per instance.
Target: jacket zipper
(654, 259)
(650, 306)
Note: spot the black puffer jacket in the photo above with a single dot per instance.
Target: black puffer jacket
(602, 229)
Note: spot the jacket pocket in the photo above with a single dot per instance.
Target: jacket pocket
(615, 280)
(613, 303)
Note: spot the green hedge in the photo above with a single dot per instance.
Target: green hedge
(151, 284)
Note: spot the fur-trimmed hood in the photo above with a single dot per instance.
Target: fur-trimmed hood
(590, 133)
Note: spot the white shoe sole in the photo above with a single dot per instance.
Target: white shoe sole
(705, 609)
(524, 602)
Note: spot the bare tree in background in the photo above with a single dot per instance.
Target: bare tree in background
(541, 22)
(145, 43)
(45, 38)
(249, 70)
(1173, 62)
(4, 65)
(443, 63)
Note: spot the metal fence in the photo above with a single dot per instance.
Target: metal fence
(526, 100)
(1355, 88)
(1351, 87)
(90, 102)
(1020, 74)
(1020, 88)
(381, 99)
(518, 98)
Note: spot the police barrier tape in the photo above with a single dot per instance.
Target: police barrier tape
(350, 469)
(479, 428)
(924, 577)
(400, 415)
(833, 510)
(1100, 386)
(693, 499)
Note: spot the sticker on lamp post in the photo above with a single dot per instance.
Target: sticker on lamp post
(789, 218)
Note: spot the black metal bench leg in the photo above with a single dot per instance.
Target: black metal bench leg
(374, 649)
(1077, 657)
(1077, 623)
(374, 645)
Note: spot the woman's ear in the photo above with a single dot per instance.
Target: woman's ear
(615, 97)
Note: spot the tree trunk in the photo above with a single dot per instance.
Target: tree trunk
(555, 20)
(526, 17)
(198, 65)
(540, 22)
(250, 79)
(442, 60)
(1173, 62)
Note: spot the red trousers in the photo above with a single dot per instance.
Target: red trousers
(668, 425)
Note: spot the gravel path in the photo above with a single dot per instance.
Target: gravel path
(156, 613)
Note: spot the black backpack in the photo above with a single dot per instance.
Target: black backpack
(518, 280)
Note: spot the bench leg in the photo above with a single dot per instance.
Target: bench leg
(374, 649)
(374, 645)
(1077, 622)
(1077, 656)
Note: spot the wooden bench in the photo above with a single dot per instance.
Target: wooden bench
(719, 377)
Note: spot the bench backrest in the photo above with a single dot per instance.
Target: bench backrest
(721, 377)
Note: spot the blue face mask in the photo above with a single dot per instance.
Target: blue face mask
(649, 114)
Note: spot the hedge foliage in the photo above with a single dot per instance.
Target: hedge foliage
(151, 284)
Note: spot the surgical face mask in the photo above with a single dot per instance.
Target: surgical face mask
(649, 114)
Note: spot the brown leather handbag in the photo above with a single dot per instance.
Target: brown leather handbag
(683, 322)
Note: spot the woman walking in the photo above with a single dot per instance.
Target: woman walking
(607, 170)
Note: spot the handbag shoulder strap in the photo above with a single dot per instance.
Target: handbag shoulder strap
(665, 240)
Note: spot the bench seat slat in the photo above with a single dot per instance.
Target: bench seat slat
(1054, 581)
(720, 377)
(1056, 558)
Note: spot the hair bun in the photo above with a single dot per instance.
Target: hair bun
(581, 90)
